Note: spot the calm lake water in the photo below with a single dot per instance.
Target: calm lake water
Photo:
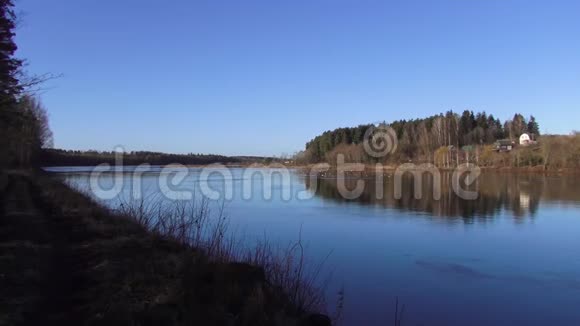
(511, 257)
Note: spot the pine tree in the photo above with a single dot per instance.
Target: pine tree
(533, 126)
(9, 65)
(15, 124)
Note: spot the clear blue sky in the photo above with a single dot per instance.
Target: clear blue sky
(264, 77)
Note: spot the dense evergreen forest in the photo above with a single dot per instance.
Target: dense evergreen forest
(420, 138)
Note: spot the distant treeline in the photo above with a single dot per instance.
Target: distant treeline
(59, 157)
(420, 138)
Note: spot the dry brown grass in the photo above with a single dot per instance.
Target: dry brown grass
(204, 227)
(144, 264)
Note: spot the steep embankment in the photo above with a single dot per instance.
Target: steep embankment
(41, 275)
(66, 260)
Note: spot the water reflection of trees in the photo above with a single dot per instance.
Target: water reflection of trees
(520, 195)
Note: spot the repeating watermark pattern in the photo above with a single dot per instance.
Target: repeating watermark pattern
(216, 181)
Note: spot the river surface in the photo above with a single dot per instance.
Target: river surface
(509, 257)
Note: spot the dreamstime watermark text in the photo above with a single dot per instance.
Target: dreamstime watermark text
(178, 182)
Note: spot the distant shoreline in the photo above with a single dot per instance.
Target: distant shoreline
(368, 168)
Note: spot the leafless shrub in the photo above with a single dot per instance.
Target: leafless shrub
(191, 223)
(195, 224)
(288, 269)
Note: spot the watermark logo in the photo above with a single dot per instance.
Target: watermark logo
(380, 141)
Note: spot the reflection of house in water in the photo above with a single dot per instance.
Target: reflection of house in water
(524, 200)
(518, 194)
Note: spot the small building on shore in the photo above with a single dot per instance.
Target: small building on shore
(527, 139)
(504, 145)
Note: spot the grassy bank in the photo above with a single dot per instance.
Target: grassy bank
(67, 260)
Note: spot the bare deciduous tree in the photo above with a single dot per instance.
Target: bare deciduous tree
(40, 128)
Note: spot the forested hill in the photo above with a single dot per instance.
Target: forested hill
(421, 137)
